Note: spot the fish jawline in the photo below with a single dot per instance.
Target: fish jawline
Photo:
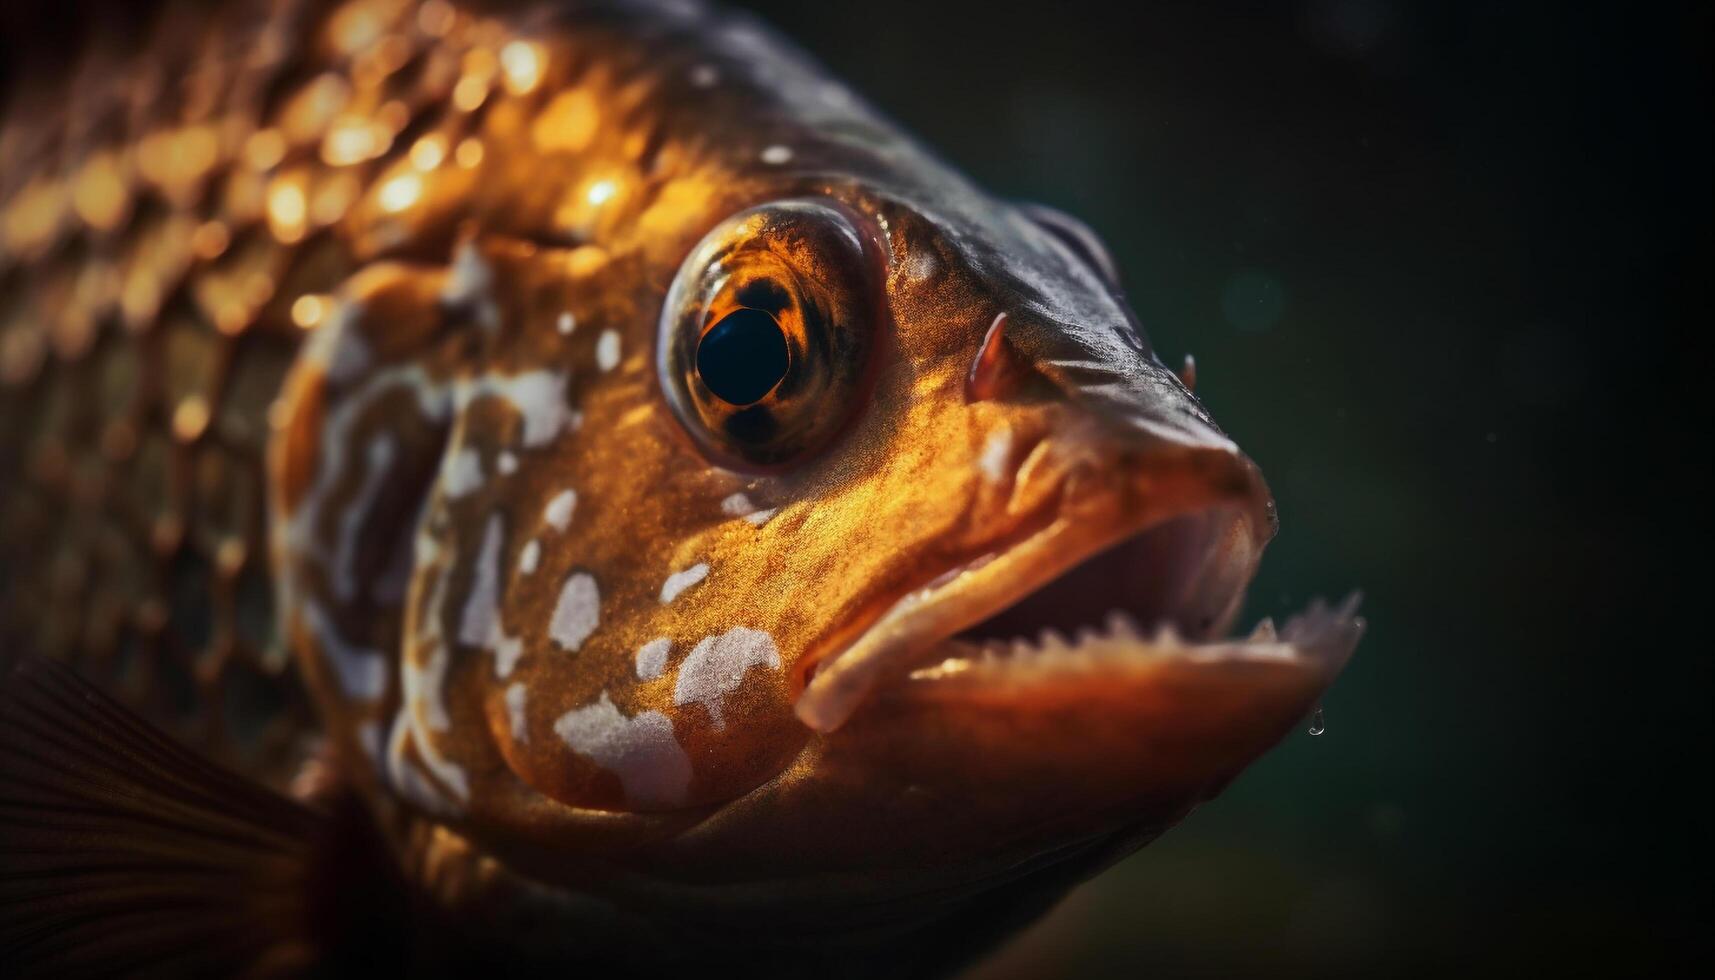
(914, 640)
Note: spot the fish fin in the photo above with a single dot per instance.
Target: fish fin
(123, 852)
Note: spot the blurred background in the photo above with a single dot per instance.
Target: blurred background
(1442, 265)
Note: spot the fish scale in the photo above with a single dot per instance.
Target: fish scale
(146, 324)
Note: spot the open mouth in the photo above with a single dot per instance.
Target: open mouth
(1030, 615)
(1186, 574)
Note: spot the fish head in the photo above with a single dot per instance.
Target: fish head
(898, 553)
(814, 531)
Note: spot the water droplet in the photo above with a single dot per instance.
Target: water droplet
(1318, 724)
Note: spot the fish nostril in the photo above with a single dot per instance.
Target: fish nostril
(996, 368)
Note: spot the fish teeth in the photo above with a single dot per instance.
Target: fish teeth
(1320, 621)
(1331, 628)
(1349, 606)
(1122, 627)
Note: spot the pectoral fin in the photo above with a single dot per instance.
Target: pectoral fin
(122, 852)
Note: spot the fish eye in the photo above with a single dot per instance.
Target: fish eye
(766, 333)
(743, 356)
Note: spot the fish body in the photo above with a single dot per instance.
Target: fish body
(681, 515)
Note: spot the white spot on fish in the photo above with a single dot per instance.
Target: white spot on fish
(715, 667)
(776, 154)
(558, 513)
(461, 473)
(425, 712)
(508, 650)
(506, 463)
(739, 505)
(567, 323)
(515, 713)
(607, 350)
(406, 780)
(409, 782)
(538, 396)
(680, 581)
(423, 692)
(338, 346)
(652, 658)
(704, 76)
(479, 621)
(425, 550)
(379, 457)
(996, 451)
(470, 285)
(652, 767)
(577, 613)
(479, 624)
(530, 557)
(422, 685)
(921, 265)
(361, 671)
(424, 708)
(300, 534)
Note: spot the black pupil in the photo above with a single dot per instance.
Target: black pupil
(743, 357)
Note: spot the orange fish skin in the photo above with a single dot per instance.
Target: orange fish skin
(690, 677)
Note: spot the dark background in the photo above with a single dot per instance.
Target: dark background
(1442, 265)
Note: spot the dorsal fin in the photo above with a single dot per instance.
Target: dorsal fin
(123, 852)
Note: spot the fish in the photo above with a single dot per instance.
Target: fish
(556, 484)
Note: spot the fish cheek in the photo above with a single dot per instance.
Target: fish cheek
(619, 754)
(548, 767)
(756, 737)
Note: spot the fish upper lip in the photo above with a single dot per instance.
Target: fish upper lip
(926, 619)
